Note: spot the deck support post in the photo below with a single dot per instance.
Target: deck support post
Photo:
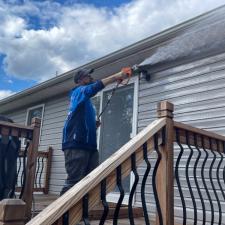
(165, 174)
(12, 212)
(31, 166)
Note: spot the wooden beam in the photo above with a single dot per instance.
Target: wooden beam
(199, 131)
(48, 170)
(31, 166)
(54, 211)
(217, 141)
(165, 176)
(12, 211)
(15, 129)
(14, 125)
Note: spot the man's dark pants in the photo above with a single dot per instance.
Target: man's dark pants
(78, 164)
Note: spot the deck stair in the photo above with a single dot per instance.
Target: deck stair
(41, 201)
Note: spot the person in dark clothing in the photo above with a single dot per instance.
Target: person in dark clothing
(9, 149)
(79, 142)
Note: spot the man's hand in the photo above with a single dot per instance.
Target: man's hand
(127, 71)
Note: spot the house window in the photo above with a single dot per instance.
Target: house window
(33, 112)
(36, 111)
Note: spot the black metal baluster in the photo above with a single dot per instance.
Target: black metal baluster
(136, 179)
(177, 176)
(18, 172)
(12, 194)
(37, 172)
(211, 180)
(119, 203)
(85, 210)
(224, 165)
(104, 202)
(217, 172)
(188, 179)
(65, 218)
(22, 172)
(154, 179)
(6, 159)
(196, 181)
(24, 166)
(41, 172)
(204, 182)
(18, 159)
(148, 168)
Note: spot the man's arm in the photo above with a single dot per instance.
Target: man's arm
(118, 77)
(91, 89)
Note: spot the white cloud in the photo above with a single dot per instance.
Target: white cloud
(5, 93)
(79, 33)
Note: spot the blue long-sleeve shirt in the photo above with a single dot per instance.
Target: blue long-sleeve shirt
(79, 131)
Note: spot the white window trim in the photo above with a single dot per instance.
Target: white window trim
(42, 116)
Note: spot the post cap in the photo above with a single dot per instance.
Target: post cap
(165, 109)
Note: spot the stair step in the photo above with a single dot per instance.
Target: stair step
(42, 201)
(96, 213)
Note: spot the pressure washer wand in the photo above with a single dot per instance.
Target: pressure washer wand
(125, 73)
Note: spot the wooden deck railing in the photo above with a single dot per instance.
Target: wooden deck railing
(42, 174)
(31, 134)
(184, 169)
(90, 191)
(200, 175)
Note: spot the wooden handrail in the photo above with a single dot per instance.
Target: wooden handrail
(16, 126)
(199, 132)
(72, 200)
(48, 156)
(16, 130)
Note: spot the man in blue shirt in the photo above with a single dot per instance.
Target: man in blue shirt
(79, 133)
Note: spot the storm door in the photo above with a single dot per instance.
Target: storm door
(118, 124)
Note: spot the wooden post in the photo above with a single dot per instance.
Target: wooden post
(165, 175)
(12, 212)
(31, 166)
(48, 170)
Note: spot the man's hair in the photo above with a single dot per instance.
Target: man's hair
(80, 74)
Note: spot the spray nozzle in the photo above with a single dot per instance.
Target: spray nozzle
(142, 72)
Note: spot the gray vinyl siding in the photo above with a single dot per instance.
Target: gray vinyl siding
(197, 90)
(18, 116)
(55, 111)
(51, 135)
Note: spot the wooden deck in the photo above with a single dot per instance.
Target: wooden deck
(138, 221)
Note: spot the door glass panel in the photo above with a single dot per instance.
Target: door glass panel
(36, 112)
(96, 100)
(96, 103)
(117, 121)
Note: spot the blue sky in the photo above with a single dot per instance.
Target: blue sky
(39, 39)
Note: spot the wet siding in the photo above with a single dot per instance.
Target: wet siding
(197, 89)
(198, 92)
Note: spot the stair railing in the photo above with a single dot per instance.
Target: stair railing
(199, 175)
(31, 135)
(74, 205)
(187, 177)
